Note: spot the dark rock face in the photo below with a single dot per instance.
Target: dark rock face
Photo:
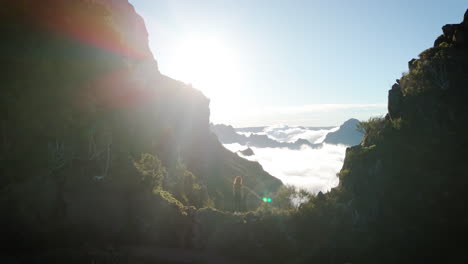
(347, 134)
(81, 101)
(439, 40)
(395, 101)
(405, 183)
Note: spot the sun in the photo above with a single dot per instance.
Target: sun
(209, 63)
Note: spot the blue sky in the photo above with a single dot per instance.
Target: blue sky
(313, 63)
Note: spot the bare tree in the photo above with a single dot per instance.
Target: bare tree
(108, 155)
(57, 157)
(96, 154)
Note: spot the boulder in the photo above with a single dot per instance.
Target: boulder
(455, 34)
(449, 29)
(412, 64)
(441, 39)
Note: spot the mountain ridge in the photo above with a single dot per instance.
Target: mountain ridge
(347, 134)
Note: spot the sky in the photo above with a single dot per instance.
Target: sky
(310, 62)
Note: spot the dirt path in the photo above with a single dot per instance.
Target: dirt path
(174, 255)
(121, 255)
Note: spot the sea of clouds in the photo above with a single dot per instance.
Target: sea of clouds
(284, 133)
(312, 169)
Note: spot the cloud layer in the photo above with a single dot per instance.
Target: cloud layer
(311, 169)
(284, 133)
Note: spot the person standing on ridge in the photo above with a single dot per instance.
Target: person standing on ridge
(237, 190)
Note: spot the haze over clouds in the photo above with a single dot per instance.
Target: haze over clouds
(305, 115)
(284, 133)
(307, 168)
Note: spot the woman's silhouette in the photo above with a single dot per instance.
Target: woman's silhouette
(237, 190)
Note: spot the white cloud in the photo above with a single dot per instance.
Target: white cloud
(323, 135)
(284, 133)
(311, 169)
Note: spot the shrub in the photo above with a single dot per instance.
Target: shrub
(151, 170)
(288, 197)
(372, 129)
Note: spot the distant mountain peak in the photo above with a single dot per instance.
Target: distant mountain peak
(347, 134)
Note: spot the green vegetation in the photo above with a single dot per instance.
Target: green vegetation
(153, 173)
(92, 156)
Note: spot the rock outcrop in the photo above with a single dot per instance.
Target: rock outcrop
(395, 101)
(454, 34)
(404, 181)
(401, 196)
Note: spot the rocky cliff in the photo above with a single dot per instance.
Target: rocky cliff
(96, 144)
(405, 183)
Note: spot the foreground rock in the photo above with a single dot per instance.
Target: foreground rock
(98, 147)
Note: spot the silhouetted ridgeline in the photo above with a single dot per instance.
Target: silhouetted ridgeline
(104, 159)
(402, 196)
(347, 134)
(96, 145)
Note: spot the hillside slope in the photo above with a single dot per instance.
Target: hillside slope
(97, 145)
(402, 196)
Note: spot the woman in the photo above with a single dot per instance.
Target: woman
(237, 190)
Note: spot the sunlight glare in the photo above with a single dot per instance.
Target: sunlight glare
(209, 64)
